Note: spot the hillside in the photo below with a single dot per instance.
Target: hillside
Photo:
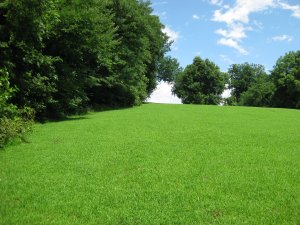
(157, 164)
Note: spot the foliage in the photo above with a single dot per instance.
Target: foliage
(286, 77)
(75, 54)
(230, 101)
(200, 83)
(14, 122)
(83, 39)
(242, 76)
(259, 94)
(141, 46)
(168, 69)
(31, 71)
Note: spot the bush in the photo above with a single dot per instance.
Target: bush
(15, 123)
(259, 94)
(15, 128)
(286, 78)
(230, 101)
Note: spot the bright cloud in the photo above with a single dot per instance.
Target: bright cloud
(241, 11)
(294, 8)
(236, 32)
(163, 94)
(196, 17)
(173, 35)
(237, 19)
(226, 93)
(283, 37)
(233, 44)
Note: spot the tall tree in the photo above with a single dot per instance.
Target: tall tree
(141, 46)
(202, 82)
(242, 76)
(84, 41)
(286, 77)
(67, 55)
(24, 26)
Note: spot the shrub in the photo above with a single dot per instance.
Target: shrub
(14, 122)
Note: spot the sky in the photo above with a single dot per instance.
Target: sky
(227, 32)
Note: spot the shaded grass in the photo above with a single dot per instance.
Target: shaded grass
(157, 164)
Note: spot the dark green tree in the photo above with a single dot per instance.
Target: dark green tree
(168, 69)
(286, 77)
(65, 56)
(141, 46)
(159, 44)
(242, 76)
(260, 93)
(202, 82)
(24, 26)
(84, 41)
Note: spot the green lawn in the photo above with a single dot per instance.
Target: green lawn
(157, 164)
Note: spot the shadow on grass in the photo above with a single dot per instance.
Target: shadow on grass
(63, 119)
(83, 115)
(103, 108)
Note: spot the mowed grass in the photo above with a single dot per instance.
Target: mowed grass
(157, 164)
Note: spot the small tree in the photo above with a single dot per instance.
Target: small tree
(242, 76)
(202, 82)
(259, 94)
(286, 77)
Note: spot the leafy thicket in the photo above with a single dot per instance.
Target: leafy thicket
(65, 56)
(141, 46)
(168, 69)
(25, 24)
(286, 78)
(251, 86)
(14, 122)
(242, 76)
(202, 82)
(260, 93)
(83, 41)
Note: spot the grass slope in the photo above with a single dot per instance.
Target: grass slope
(157, 164)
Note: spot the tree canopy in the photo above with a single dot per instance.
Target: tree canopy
(75, 54)
(201, 82)
(242, 76)
(168, 69)
(63, 57)
(260, 93)
(286, 78)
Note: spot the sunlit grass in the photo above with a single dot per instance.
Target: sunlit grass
(157, 164)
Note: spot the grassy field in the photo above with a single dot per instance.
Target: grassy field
(157, 164)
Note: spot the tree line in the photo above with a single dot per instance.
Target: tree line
(63, 57)
(202, 82)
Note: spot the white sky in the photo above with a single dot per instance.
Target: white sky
(163, 94)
